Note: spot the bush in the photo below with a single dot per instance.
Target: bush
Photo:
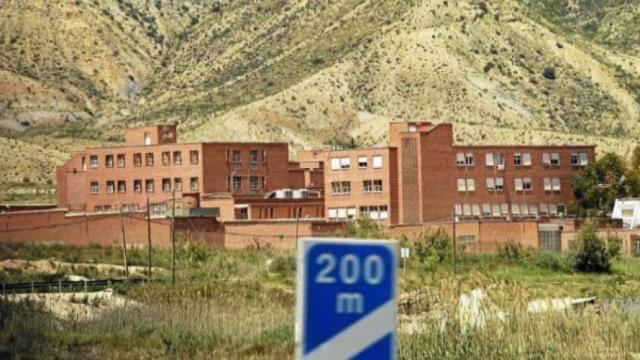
(511, 251)
(614, 245)
(362, 228)
(433, 246)
(592, 254)
(549, 73)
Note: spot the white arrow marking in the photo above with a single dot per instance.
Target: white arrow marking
(352, 340)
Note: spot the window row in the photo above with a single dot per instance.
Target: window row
(344, 162)
(505, 209)
(521, 159)
(497, 184)
(120, 159)
(255, 183)
(120, 186)
(373, 212)
(255, 156)
(344, 187)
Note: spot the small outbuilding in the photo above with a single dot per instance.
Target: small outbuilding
(629, 211)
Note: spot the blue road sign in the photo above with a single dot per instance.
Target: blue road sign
(346, 299)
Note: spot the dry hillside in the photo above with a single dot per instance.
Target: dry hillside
(315, 72)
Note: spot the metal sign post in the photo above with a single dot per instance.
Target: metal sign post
(346, 299)
(404, 254)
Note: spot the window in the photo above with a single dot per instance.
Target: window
(457, 209)
(462, 185)
(466, 239)
(486, 209)
(547, 184)
(524, 209)
(364, 212)
(491, 184)
(574, 160)
(373, 213)
(471, 185)
(504, 209)
(377, 185)
(556, 184)
(555, 159)
(546, 159)
(345, 163)
(377, 161)
(237, 183)
(466, 210)
(526, 159)
(177, 158)
(517, 159)
(561, 210)
(148, 159)
(166, 185)
(193, 156)
(254, 182)
(549, 240)
(332, 213)
(362, 162)
(194, 184)
(177, 184)
(108, 161)
(335, 187)
(500, 161)
(527, 184)
(475, 210)
(584, 159)
(384, 213)
(515, 209)
(93, 161)
(166, 158)
(533, 210)
(351, 213)
(122, 186)
(95, 187)
(544, 209)
(147, 138)
(346, 187)
(149, 185)
(367, 186)
(121, 161)
(495, 210)
(460, 159)
(553, 209)
(111, 187)
(470, 160)
(253, 159)
(499, 184)
(137, 186)
(335, 163)
(137, 160)
(518, 184)
(488, 159)
(463, 159)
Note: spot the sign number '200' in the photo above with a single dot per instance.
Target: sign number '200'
(350, 271)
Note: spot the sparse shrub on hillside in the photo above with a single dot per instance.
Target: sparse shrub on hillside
(488, 66)
(549, 73)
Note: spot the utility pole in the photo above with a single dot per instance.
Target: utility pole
(297, 224)
(173, 237)
(124, 246)
(149, 234)
(454, 239)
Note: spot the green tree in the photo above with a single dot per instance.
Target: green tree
(601, 183)
(591, 252)
(635, 158)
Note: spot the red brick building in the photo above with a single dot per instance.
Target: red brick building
(151, 164)
(424, 177)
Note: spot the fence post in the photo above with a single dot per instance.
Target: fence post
(32, 287)
(59, 287)
(85, 286)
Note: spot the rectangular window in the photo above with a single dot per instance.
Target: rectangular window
(553, 209)
(177, 158)
(95, 187)
(166, 158)
(500, 161)
(515, 209)
(495, 210)
(517, 159)
(121, 160)
(462, 185)
(345, 163)
(253, 159)
(364, 212)
(367, 186)
(504, 209)
(471, 185)
(526, 159)
(166, 185)
(122, 186)
(335, 187)
(149, 185)
(346, 187)
(475, 210)
(384, 212)
(533, 209)
(377, 161)
(108, 161)
(574, 159)
(148, 159)
(194, 184)
(499, 184)
(254, 182)
(491, 184)
(547, 184)
(177, 184)
(546, 159)
(342, 213)
(335, 163)
(470, 160)
(544, 209)
(351, 213)
(524, 209)
(527, 184)
(518, 184)
(137, 186)
(486, 209)
(457, 209)
(466, 209)
(137, 160)
(373, 213)
(237, 183)
(488, 159)
(460, 159)
(93, 161)
(332, 213)
(362, 162)
(193, 156)
(584, 159)
(556, 184)
(377, 185)
(147, 138)
(555, 159)
(111, 187)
